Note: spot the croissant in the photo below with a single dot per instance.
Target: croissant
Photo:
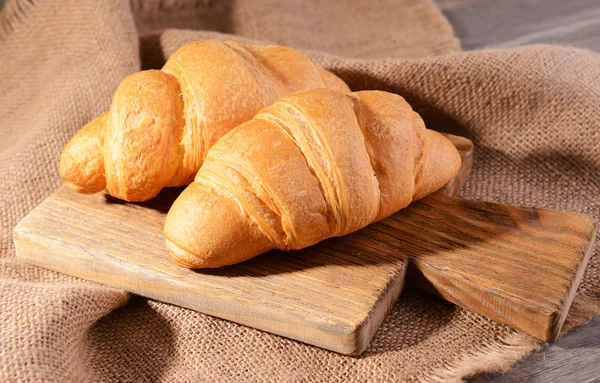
(313, 165)
(162, 123)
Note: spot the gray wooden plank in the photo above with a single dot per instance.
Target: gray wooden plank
(510, 23)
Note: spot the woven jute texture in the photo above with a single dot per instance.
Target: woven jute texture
(532, 112)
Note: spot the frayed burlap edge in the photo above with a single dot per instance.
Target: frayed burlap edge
(503, 353)
(497, 357)
(583, 309)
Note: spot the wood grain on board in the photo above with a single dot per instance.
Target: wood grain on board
(486, 257)
(518, 266)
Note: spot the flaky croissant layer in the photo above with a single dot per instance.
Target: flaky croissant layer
(313, 165)
(162, 123)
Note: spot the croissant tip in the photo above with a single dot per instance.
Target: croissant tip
(83, 189)
(184, 258)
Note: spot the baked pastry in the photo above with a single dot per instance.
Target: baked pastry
(313, 165)
(162, 123)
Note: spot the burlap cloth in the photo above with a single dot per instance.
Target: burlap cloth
(533, 113)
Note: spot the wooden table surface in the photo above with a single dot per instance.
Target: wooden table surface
(511, 23)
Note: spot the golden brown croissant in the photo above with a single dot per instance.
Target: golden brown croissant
(313, 165)
(162, 123)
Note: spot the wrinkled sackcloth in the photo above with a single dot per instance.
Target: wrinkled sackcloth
(532, 113)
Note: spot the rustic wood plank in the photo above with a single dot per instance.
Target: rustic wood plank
(511, 23)
(518, 266)
(335, 301)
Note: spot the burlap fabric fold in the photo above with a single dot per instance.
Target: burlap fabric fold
(532, 112)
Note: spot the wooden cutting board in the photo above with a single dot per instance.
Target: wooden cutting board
(519, 266)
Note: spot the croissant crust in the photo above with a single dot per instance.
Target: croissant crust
(313, 165)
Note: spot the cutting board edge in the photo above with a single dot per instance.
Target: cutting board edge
(352, 338)
(466, 148)
(544, 325)
(533, 322)
(587, 251)
(370, 325)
